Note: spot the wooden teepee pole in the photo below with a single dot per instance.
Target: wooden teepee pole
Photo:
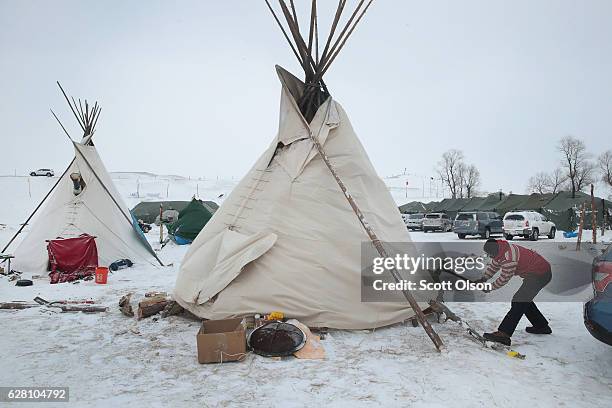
(593, 216)
(161, 223)
(374, 238)
(580, 225)
(604, 217)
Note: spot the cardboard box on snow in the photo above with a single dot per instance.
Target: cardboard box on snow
(221, 340)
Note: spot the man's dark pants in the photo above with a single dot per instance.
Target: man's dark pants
(522, 304)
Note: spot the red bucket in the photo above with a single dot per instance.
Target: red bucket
(101, 275)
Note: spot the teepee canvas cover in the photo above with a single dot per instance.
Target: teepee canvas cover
(286, 238)
(97, 210)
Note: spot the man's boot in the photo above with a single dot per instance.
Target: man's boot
(539, 330)
(498, 337)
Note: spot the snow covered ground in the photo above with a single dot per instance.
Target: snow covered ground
(110, 360)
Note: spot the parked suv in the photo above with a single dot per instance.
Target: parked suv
(528, 224)
(43, 172)
(478, 223)
(437, 221)
(414, 221)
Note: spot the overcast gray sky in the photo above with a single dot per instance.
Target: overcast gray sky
(189, 87)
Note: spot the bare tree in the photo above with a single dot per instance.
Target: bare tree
(556, 179)
(450, 169)
(605, 166)
(461, 170)
(585, 175)
(539, 183)
(543, 182)
(575, 162)
(471, 180)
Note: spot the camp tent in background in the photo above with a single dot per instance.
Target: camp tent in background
(456, 206)
(443, 205)
(537, 202)
(191, 220)
(289, 235)
(83, 201)
(564, 210)
(512, 202)
(431, 205)
(491, 202)
(148, 211)
(413, 207)
(473, 204)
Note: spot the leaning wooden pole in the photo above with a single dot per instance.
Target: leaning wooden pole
(604, 217)
(593, 215)
(161, 223)
(374, 238)
(580, 225)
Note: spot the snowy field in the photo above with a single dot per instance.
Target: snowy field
(110, 360)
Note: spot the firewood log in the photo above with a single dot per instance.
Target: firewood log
(17, 305)
(125, 305)
(151, 306)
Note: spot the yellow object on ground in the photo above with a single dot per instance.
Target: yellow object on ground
(276, 316)
(515, 354)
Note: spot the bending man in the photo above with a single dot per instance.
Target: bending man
(511, 260)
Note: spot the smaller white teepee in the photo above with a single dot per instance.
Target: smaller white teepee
(95, 207)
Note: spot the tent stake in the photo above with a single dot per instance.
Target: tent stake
(374, 238)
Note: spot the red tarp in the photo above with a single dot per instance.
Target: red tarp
(72, 258)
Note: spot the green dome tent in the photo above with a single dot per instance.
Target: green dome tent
(190, 222)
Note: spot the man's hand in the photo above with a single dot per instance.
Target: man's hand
(481, 280)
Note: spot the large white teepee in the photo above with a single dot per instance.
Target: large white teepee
(95, 208)
(289, 236)
(286, 238)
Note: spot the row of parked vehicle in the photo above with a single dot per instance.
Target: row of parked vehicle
(527, 224)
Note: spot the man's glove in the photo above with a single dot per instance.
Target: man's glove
(481, 280)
